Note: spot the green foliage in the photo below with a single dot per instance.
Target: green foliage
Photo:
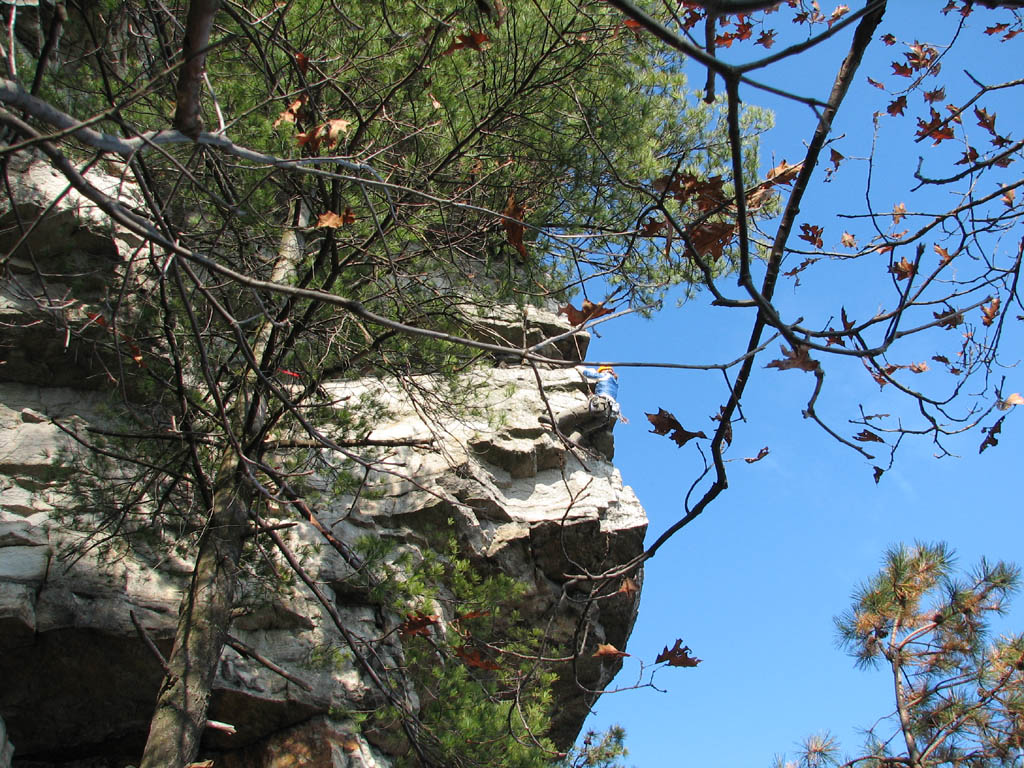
(329, 657)
(959, 696)
(484, 690)
(557, 115)
(598, 750)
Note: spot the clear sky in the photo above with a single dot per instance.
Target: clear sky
(753, 584)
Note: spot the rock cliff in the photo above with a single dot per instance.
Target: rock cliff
(78, 680)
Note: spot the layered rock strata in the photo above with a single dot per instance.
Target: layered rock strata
(78, 680)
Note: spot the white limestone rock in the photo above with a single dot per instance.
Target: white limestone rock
(76, 676)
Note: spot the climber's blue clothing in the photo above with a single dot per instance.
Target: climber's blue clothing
(607, 385)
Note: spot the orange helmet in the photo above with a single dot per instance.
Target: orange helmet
(603, 368)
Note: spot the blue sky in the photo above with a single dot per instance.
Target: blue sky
(753, 584)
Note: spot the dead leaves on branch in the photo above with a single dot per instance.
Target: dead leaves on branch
(711, 215)
(867, 436)
(332, 220)
(784, 173)
(760, 455)
(476, 658)
(512, 223)
(629, 587)
(811, 234)
(745, 27)
(292, 113)
(990, 440)
(327, 135)
(476, 41)
(666, 424)
(678, 656)
(608, 651)
(1009, 402)
(798, 358)
(711, 238)
(903, 269)
(949, 319)
(418, 624)
(587, 311)
(707, 200)
(990, 312)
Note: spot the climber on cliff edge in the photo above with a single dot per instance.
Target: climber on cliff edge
(590, 424)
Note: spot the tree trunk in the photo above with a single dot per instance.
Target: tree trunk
(203, 624)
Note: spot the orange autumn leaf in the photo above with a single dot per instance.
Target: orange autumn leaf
(472, 615)
(310, 139)
(588, 311)
(759, 195)
(474, 657)
(708, 193)
(784, 173)
(1009, 402)
(936, 128)
(898, 212)
(512, 223)
(677, 656)
(944, 256)
(896, 107)
(949, 319)
(291, 113)
(334, 129)
(332, 220)
(848, 240)
(133, 349)
(800, 268)
(847, 322)
(665, 423)
(329, 132)
(985, 120)
(903, 269)
(417, 624)
(990, 312)
(760, 455)
(811, 234)
(710, 238)
(837, 14)
(724, 40)
(474, 40)
(652, 227)
(798, 358)
(630, 587)
(608, 651)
